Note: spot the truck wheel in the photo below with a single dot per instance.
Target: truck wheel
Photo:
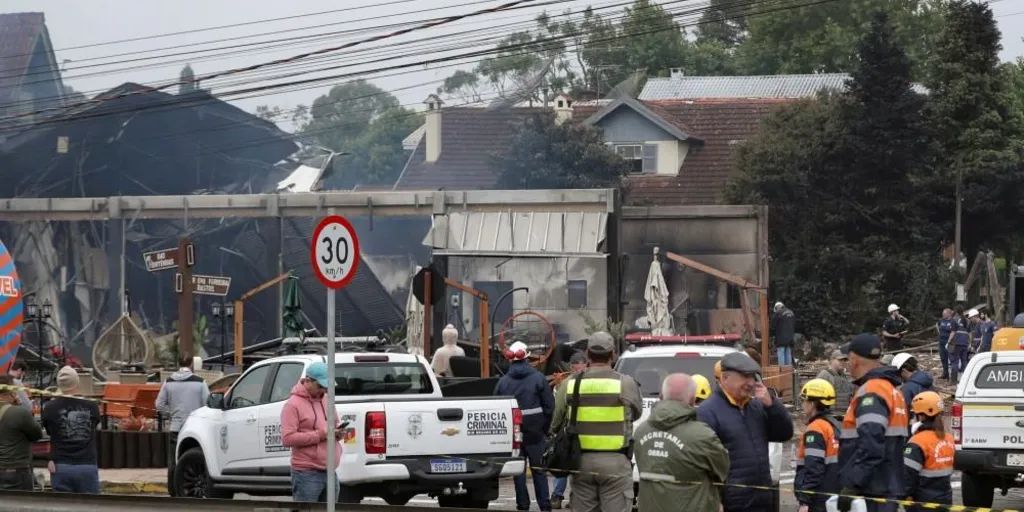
(397, 499)
(976, 491)
(192, 480)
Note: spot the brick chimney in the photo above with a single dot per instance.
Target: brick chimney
(432, 133)
(563, 108)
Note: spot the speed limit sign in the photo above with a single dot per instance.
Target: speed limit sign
(335, 251)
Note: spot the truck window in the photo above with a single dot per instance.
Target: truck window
(383, 378)
(249, 389)
(650, 371)
(1001, 376)
(287, 377)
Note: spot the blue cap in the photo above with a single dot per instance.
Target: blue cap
(318, 372)
(865, 345)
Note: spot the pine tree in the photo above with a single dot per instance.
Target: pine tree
(977, 132)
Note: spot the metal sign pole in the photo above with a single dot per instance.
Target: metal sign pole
(331, 411)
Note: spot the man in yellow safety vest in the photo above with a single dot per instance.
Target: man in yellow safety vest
(608, 404)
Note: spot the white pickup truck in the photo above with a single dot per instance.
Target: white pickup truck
(403, 437)
(649, 365)
(987, 421)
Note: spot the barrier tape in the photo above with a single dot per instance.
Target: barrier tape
(58, 394)
(789, 489)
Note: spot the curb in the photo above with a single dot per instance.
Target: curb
(133, 488)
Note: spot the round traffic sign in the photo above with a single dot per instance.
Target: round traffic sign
(335, 252)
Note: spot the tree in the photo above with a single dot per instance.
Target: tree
(846, 161)
(723, 22)
(978, 132)
(819, 38)
(544, 154)
(366, 122)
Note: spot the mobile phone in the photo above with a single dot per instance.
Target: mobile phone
(343, 425)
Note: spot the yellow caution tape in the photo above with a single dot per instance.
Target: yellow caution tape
(58, 394)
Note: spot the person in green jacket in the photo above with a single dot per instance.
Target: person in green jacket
(680, 459)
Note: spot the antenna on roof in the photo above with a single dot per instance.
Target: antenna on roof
(526, 91)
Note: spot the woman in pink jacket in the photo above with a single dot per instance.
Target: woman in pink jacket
(304, 430)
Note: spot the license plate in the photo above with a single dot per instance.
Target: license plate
(452, 466)
(1015, 459)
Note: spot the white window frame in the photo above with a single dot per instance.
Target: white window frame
(647, 154)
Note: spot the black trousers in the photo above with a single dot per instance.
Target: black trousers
(172, 459)
(17, 480)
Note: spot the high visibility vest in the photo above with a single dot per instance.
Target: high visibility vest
(895, 424)
(828, 431)
(601, 420)
(938, 454)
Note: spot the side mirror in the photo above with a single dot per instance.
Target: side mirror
(215, 401)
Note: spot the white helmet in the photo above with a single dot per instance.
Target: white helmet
(971, 313)
(893, 307)
(900, 359)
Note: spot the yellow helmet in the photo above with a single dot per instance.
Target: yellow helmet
(928, 403)
(819, 390)
(703, 386)
(718, 370)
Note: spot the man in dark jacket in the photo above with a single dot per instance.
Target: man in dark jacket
(71, 423)
(746, 418)
(874, 429)
(915, 381)
(784, 328)
(679, 458)
(18, 430)
(537, 403)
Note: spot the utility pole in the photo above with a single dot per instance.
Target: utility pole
(957, 247)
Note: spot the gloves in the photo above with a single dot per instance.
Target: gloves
(845, 501)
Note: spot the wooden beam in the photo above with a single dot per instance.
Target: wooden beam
(714, 272)
(249, 294)
(239, 329)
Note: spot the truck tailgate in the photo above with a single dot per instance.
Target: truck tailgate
(992, 424)
(449, 427)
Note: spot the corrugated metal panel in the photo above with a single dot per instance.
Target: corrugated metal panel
(763, 86)
(511, 232)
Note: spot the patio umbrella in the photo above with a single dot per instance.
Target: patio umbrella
(656, 296)
(292, 314)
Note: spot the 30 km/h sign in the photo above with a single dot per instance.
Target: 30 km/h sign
(335, 251)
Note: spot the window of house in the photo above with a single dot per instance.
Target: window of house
(642, 158)
(577, 294)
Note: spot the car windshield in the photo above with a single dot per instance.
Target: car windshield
(650, 371)
(382, 378)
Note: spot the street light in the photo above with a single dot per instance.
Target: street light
(223, 312)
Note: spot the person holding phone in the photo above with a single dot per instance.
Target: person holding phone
(304, 430)
(746, 417)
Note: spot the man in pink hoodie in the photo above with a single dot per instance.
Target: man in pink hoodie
(304, 430)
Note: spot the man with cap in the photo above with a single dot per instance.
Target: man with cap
(536, 404)
(18, 430)
(835, 374)
(71, 423)
(783, 328)
(304, 430)
(874, 429)
(441, 362)
(577, 364)
(893, 329)
(182, 393)
(609, 402)
(746, 417)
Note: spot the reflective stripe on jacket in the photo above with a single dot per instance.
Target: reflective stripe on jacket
(601, 420)
(873, 436)
(928, 466)
(817, 462)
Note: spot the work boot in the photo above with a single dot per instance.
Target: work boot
(556, 502)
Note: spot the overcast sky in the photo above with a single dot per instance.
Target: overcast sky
(95, 68)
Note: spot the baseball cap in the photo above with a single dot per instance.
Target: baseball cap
(839, 354)
(865, 345)
(740, 362)
(318, 372)
(601, 342)
(578, 358)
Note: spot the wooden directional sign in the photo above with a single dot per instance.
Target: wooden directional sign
(210, 285)
(161, 260)
(168, 258)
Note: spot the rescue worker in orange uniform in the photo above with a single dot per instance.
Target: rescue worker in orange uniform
(928, 457)
(817, 454)
(874, 431)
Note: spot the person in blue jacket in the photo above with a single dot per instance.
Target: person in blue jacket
(959, 346)
(536, 403)
(746, 417)
(915, 380)
(945, 326)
